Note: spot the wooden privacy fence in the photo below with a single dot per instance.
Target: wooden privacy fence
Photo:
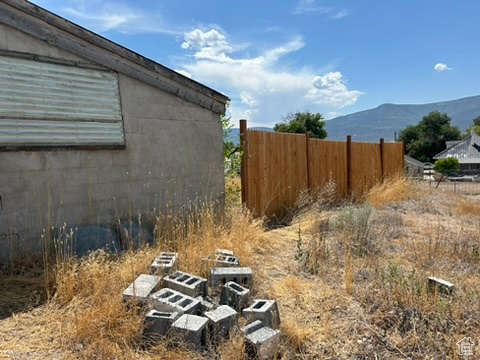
(276, 167)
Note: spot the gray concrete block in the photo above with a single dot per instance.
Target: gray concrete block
(206, 304)
(221, 260)
(222, 275)
(164, 263)
(224, 252)
(441, 285)
(158, 323)
(263, 310)
(222, 319)
(234, 295)
(261, 341)
(169, 300)
(142, 287)
(187, 284)
(191, 330)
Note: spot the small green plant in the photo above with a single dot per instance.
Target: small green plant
(354, 224)
(312, 254)
(300, 253)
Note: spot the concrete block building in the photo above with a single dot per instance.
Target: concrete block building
(91, 131)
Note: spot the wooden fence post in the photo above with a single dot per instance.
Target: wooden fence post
(349, 165)
(382, 159)
(243, 165)
(307, 143)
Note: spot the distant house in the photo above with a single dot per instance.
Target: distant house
(91, 131)
(413, 167)
(467, 151)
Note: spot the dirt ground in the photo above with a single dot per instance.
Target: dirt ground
(350, 281)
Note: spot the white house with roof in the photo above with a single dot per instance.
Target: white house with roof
(466, 151)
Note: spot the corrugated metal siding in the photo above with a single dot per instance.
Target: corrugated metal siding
(49, 104)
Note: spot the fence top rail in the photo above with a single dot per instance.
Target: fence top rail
(273, 132)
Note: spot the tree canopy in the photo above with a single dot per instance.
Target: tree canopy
(475, 127)
(301, 123)
(426, 139)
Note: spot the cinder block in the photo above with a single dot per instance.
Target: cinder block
(222, 260)
(169, 300)
(142, 287)
(443, 286)
(158, 323)
(187, 284)
(206, 304)
(234, 295)
(222, 319)
(192, 330)
(164, 263)
(261, 341)
(222, 275)
(224, 252)
(264, 310)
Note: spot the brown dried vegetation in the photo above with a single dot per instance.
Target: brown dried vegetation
(350, 280)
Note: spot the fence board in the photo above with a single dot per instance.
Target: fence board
(393, 155)
(275, 168)
(366, 167)
(277, 171)
(328, 161)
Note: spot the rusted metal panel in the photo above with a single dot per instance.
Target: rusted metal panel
(43, 103)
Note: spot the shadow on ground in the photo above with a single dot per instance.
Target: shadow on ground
(21, 291)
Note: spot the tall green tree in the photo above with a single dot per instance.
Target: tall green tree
(301, 123)
(426, 139)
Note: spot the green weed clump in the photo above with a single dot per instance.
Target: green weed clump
(354, 225)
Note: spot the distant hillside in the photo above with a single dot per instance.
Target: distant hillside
(234, 135)
(385, 120)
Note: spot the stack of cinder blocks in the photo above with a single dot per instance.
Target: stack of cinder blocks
(179, 304)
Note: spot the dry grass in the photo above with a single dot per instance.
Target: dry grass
(87, 315)
(468, 207)
(393, 190)
(336, 303)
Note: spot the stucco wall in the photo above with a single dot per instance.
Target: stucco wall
(173, 154)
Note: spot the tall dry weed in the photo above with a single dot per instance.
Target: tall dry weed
(393, 190)
(90, 289)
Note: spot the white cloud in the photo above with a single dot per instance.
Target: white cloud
(441, 67)
(261, 87)
(310, 6)
(331, 89)
(107, 15)
(210, 45)
(248, 99)
(340, 14)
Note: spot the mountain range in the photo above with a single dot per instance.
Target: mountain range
(387, 119)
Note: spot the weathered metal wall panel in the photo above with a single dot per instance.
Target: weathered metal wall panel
(61, 133)
(50, 104)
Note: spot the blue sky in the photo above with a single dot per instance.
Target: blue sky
(273, 57)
